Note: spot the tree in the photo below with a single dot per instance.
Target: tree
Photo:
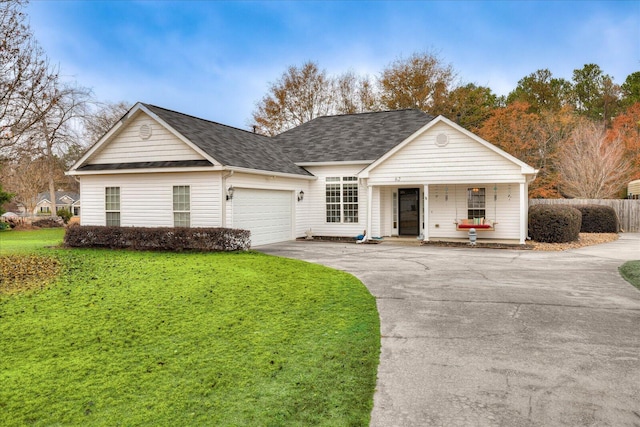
(27, 177)
(25, 76)
(630, 89)
(57, 129)
(421, 81)
(469, 105)
(626, 127)
(99, 122)
(354, 94)
(532, 138)
(542, 92)
(596, 96)
(590, 166)
(300, 95)
(4, 198)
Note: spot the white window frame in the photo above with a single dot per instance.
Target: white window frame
(341, 197)
(181, 206)
(112, 206)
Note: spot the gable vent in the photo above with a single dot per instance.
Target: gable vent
(145, 131)
(442, 139)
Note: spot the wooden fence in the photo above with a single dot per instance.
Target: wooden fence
(628, 210)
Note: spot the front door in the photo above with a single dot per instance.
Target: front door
(409, 211)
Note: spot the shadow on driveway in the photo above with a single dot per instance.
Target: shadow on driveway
(485, 337)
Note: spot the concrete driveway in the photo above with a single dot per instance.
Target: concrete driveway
(489, 337)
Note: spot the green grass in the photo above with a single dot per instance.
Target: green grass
(165, 339)
(631, 272)
(12, 242)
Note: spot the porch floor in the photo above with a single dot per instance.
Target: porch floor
(414, 241)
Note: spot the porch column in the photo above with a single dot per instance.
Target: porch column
(369, 209)
(425, 206)
(524, 208)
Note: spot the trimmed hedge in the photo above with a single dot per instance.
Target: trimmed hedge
(554, 223)
(48, 222)
(165, 239)
(598, 219)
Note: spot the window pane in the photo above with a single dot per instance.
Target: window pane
(181, 219)
(113, 219)
(475, 203)
(112, 198)
(333, 201)
(342, 199)
(181, 198)
(333, 213)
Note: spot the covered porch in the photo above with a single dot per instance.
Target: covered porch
(435, 211)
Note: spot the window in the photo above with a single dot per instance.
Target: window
(45, 209)
(181, 206)
(112, 206)
(342, 199)
(475, 203)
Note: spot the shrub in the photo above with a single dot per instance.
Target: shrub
(168, 239)
(65, 214)
(554, 223)
(598, 219)
(48, 222)
(4, 225)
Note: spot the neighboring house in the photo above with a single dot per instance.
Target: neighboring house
(633, 189)
(64, 200)
(392, 173)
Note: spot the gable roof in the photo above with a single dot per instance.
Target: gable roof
(44, 197)
(228, 145)
(350, 137)
(524, 168)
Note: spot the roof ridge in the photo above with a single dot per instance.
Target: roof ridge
(205, 120)
(374, 112)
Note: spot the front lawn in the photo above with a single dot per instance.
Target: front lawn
(165, 339)
(631, 272)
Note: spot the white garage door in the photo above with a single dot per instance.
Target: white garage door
(266, 213)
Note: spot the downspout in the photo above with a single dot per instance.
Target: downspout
(223, 197)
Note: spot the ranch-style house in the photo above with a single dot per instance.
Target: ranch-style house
(391, 173)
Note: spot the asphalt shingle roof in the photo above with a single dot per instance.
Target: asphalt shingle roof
(228, 145)
(350, 137)
(365, 136)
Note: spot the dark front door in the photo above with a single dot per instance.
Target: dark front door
(409, 211)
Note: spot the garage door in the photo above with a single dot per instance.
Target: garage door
(266, 213)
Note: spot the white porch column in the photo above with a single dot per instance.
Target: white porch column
(524, 208)
(425, 206)
(369, 209)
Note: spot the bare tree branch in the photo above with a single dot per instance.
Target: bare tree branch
(590, 166)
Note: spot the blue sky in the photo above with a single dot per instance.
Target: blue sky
(216, 59)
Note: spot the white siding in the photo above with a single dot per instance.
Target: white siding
(461, 160)
(146, 200)
(317, 202)
(128, 147)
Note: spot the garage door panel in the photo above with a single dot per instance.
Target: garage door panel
(266, 213)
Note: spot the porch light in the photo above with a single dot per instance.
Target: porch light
(301, 196)
(230, 192)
